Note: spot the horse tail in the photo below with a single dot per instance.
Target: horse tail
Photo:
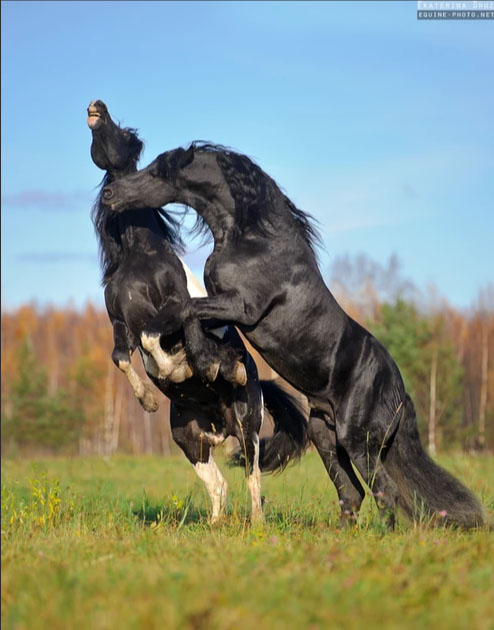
(289, 441)
(426, 489)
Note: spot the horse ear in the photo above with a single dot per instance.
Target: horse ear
(186, 157)
(159, 167)
(169, 163)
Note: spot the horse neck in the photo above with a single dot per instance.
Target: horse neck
(137, 227)
(213, 203)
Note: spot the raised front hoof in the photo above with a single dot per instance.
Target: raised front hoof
(148, 401)
(181, 374)
(212, 371)
(237, 376)
(240, 374)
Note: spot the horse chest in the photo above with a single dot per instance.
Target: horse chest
(222, 275)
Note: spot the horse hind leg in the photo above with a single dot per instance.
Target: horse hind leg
(142, 390)
(216, 486)
(383, 488)
(366, 455)
(338, 466)
(249, 415)
(254, 483)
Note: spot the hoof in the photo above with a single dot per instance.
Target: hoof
(347, 520)
(212, 371)
(181, 374)
(240, 374)
(148, 401)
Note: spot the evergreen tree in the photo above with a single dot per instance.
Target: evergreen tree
(425, 354)
(36, 419)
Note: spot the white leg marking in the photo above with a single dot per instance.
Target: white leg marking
(262, 410)
(215, 484)
(181, 369)
(171, 366)
(133, 378)
(215, 438)
(254, 484)
(151, 343)
(142, 391)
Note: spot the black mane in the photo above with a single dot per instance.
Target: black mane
(255, 193)
(107, 225)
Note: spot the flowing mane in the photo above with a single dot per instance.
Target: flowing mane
(107, 225)
(257, 196)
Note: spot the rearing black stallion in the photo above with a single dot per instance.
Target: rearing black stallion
(263, 276)
(146, 288)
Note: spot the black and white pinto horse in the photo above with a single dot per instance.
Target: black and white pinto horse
(146, 287)
(263, 277)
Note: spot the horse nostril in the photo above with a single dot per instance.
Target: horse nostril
(107, 193)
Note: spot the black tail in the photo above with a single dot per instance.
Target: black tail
(289, 440)
(424, 487)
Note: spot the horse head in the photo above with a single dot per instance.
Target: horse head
(114, 149)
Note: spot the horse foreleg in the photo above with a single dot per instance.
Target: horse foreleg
(181, 370)
(169, 319)
(228, 307)
(172, 367)
(212, 356)
(142, 390)
(203, 351)
(122, 351)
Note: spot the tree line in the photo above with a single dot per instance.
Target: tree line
(61, 393)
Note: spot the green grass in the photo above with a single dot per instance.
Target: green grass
(125, 543)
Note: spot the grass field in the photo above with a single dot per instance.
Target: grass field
(125, 543)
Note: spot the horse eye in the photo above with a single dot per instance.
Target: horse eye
(126, 135)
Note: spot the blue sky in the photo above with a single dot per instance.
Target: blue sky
(379, 125)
